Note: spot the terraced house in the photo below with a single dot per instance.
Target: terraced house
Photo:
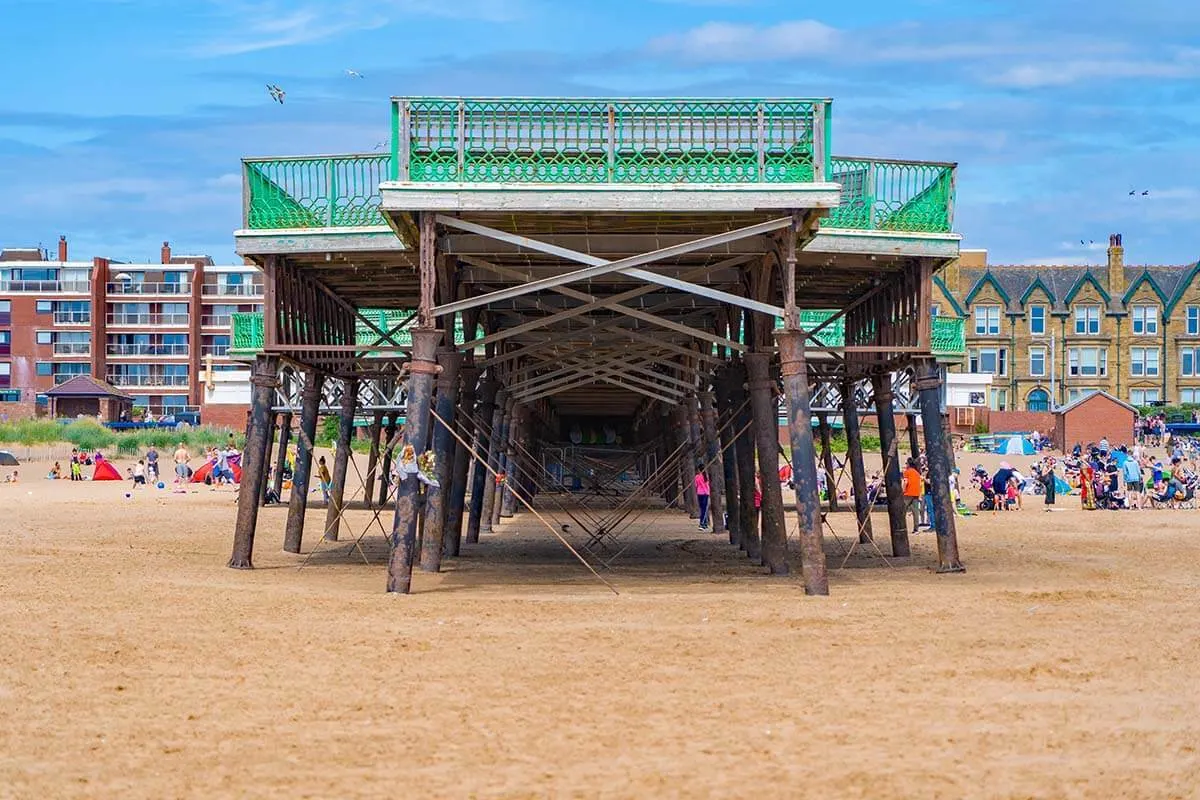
(1051, 334)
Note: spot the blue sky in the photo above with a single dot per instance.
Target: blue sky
(122, 121)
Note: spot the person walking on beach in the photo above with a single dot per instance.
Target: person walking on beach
(324, 478)
(702, 493)
(152, 463)
(181, 463)
(912, 493)
(139, 474)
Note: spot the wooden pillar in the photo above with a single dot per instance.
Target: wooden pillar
(729, 460)
(254, 462)
(375, 432)
(804, 463)
(433, 540)
(285, 437)
(495, 443)
(914, 446)
(310, 405)
(766, 438)
(672, 488)
(854, 454)
(480, 478)
(890, 449)
(272, 424)
(716, 468)
(929, 386)
(827, 461)
(687, 460)
(385, 470)
(341, 460)
(744, 448)
(468, 377)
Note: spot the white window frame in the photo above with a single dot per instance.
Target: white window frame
(1039, 351)
(1079, 392)
(1143, 320)
(1144, 400)
(1075, 365)
(1144, 362)
(983, 320)
(998, 399)
(1087, 320)
(1042, 309)
(1188, 354)
(1189, 395)
(5, 368)
(1192, 317)
(38, 304)
(43, 337)
(999, 355)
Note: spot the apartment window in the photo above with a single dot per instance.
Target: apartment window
(935, 310)
(5, 369)
(1037, 320)
(1143, 361)
(987, 320)
(1087, 320)
(1193, 320)
(44, 337)
(1087, 361)
(999, 400)
(10, 396)
(173, 401)
(1037, 362)
(5, 337)
(1189, 361)
(45, 369)
(64, 372)
(989, 361)
(1145, 320)
(1190, 396)
(1079, 394)
(5, 312)
(1143, 397)
(45, 306)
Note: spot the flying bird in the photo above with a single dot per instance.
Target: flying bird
(380, 145)
(276, 93)
(1145, 193)
(1132, 192)
(353, 73)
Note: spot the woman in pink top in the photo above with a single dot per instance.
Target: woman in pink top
(702, 492)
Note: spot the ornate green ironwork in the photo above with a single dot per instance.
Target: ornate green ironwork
(246, 334)
(947, 334)
(599, 141)
(314, 192)
(887, 195)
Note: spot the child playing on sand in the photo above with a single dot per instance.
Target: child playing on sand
(323, 477)
(55, 472)
(139, 474)
(1012, 495)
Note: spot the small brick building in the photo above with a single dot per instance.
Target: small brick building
(1092, 418)
(85, 396)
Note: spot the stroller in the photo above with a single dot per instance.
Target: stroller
(989, 501)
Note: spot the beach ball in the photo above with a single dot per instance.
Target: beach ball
(128, 495)
(162, 485)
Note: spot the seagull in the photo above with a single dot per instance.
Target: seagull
(1081, 241)
(1132, 192)
(353, 73)
(1145, 193)
(380, 145)
(276, 93)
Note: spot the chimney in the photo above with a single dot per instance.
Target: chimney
(166, 253)
(1116, 266)
(62, 248)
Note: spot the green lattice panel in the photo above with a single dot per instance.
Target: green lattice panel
(341, 191)
(246, 333)
(949, 336)
(893, 196)
(433, 131)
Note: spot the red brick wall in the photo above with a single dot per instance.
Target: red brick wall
(1096, 418)
(1020, 421)
(225, 415)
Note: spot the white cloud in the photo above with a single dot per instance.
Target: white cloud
(727, 41)
(1063, 73)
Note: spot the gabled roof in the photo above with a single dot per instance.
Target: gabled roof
(949, 295)
(1185, 280)
(87, 386)
(1144, 277)
(1038, 283)
(1092, 396)
(1087, 277)
(986, 278)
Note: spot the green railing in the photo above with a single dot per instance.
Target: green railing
(948, 334)
(886, 195)
(246, 336)
(313, 191)
(561, 140)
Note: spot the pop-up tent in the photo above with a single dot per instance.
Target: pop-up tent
(105, 471)
(7, 459)
(1061, 486)
(199, 475)
(1015, 446)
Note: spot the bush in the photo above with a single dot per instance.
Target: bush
(88, 435)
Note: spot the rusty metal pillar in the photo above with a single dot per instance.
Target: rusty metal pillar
(506, 428)
(285, 436)
(341, 459)
(914, 445)
(766, 440)
(729, 461)
(416, 436)
(495, 443)
(433, 542)
(827, 461)
(890, 449)
(804, 461)
(716, 464)
(687, 458)
(854, 454)
(672, 488)
(254, 463)
(468, 376)
(479, 474)
(385, 471)
(310, 405)
(744, 447)
(272, 424)
(375, 432)
(929, 385)
(512, 462)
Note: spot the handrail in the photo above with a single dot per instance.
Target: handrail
(890, 195)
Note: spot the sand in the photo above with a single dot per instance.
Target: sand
(133, 663)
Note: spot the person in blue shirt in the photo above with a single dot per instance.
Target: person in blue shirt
(1132, 472)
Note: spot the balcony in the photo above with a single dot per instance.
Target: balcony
(147, 319)
(215, 350)
(119, 350)
(136, 381)
(232, 290)
(137, 288)
(215, 320)
(886, 195)
(72, 318)
(46, 287)
(72, 348)
(63, 377)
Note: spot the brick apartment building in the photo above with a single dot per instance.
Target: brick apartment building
(1052, 334)
(160, 332)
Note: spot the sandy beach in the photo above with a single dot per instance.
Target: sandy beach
(1062, 664)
